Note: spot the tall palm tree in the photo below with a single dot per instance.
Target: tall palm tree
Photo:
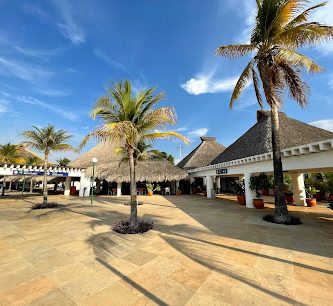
(47, 140)
(130, 119)
(33, 160)
(282, 26)
(9, 154)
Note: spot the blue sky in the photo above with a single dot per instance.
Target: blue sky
(58, 56)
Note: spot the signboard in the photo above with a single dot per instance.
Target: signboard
(222, 171)
(38, 172)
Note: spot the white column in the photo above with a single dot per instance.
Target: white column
(84, 186)
(209, 186)
(297, 181)
(67, 186)
(192, 180)
(119, 189)
(205, 181)
(31, 185)
(177, 185)
(248, 192)
(218, 183)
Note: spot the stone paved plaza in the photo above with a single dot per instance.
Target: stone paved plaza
(201, 252)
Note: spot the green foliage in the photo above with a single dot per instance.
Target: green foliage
(256, 184)
(266, 184)
(63, 162)
(239, 187)
(9, 153)
(152, 188)
(311, 191)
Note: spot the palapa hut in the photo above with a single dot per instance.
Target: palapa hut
(112, 174)
(201, 156)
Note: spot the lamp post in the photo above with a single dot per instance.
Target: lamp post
(93, 161)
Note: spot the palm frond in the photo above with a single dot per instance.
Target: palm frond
(256, 84)
(156, 135)
(241, 83)
(234, 51)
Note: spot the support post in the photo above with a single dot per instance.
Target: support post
(297, 180)
(210, 186)
(192, 180)
(119, 189)
(84, 186)
(218, 184)
(248, 192)
(67, 186)
(31, 186)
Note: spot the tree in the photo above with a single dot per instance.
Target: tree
(9, 153)
(63, 162)
(130, 119)
(281, 28)
(47, 140)
(33, 160)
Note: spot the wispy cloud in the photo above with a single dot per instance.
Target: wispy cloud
(197, 132)
(108, 59)
(330, 82)
(69, 27)
(208, 84)
(54, 92)
(3, 106)
(326, 124)
(23, 71)
(36, 102)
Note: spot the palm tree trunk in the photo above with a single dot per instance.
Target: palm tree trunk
(45, 190)
(281, 211)
(134, 205)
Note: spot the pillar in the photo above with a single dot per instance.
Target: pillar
(31, 186)
(218, 184)
(249, 194)
(67, 186)
(210, 186)
(119, 189)
(205, 181)
(177, 185)
(85, 185)
(297, 181)
(192, 180)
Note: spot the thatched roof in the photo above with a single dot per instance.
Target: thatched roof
(152, 170)
(203, 154)
(258, 139)
(25, 154)
(110, 167)
(104, 152)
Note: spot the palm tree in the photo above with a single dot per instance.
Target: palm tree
(47, 140)
(9, 153)
(33, 160)
(129, 120)
(281, 28)
(63, 162)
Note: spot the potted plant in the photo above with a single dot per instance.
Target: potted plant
(289, 196)
(151, 188)
(240, 192)
(256, 185)
(265, 184)
(310, 192)
(328, 177)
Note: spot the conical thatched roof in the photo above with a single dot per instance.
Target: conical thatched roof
(24, 154)
(151, 170)
(110, 167)
(258, 139)
(104, 152)
(203, 154)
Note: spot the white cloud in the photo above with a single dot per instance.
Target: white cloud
(197, 133)
(326, 124)
(207, 84)
(330, 82)
(54, 92)
(69, 28)
(3, 106)
(101, 55)
(24, 71)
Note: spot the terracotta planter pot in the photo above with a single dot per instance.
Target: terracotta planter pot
(178, 193)
(290, 199)
(318, 196)
(150, 193)
(241, 199)
(265, 192)
(311, 202)
(258, 203)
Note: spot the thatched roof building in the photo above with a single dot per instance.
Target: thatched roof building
(110, 167)
(203, 154)
(258, 139)
(25, 154)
